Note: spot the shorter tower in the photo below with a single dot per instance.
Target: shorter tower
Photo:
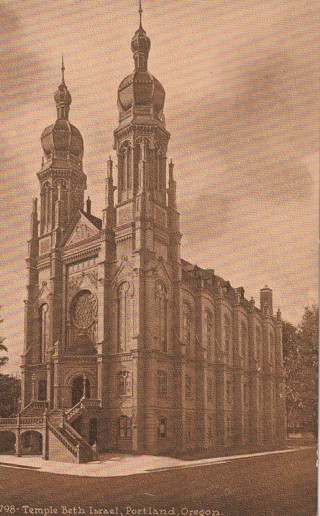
(62, 180)
(62, 186)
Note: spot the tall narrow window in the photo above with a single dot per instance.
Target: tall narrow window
(209, 334)
(162, 315)
(125, 167)
(45, 207)
(258, 343)
(162, 383)
(188, 427)
(227, 336)
(210, 427)
(44, 330)
(246, 394)
(244, 339)
(210, 389)
(159, 168)
(187, 327)
(123, 316)
(124, 383)
(229, 393)
(129, 168)
(42, 390)
(125, 427)
(271, 348)
(261, 396)
(188, 386)
(162, 428)
(60, 192)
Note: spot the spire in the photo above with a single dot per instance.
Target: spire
(62, 70)
(140, 13)
(62, 96)
(140, 45)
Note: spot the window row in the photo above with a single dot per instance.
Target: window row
(125, 427)
(155, 160)
(125, 316)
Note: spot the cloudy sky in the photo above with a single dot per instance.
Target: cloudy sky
(241, 106)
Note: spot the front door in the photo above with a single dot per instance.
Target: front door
(78, 389)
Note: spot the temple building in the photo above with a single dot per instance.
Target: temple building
(129, 347)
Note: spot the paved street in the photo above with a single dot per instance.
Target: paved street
(277, 484)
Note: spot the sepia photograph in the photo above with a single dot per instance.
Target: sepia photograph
(159, 275)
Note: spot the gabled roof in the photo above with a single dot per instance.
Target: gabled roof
(84, 226)
(95, 220)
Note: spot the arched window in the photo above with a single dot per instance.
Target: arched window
(210, 389)
(210, 427)
(271, 348)
(162, 383)
(258, 343)
(123, 316)
(209, 334)
(244, 339)
(186, 320)
(125, 427)
(188, 386)
(42, 390)
(125, 166)
(60, 192)
(227, 336)
(162, 427)
(162, 315)
(44, 330)
(159, 172)
(45, 207)
(124, 383)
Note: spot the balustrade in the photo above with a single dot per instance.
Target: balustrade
(8, 421)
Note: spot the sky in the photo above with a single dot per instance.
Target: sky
(241, 81)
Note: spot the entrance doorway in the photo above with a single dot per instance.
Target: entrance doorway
(78, 389)
(31, 443)
(93, 431)
(42, 390)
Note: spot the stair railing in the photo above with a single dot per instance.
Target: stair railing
(73, 449)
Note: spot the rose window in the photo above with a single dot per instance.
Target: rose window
(84, 309)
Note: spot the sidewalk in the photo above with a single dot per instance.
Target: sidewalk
(123, 465)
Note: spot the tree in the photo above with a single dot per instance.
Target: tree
(300, 353)
(308, 339)
(9, 395)
(291, 362)
(3, 360)
(9, 387)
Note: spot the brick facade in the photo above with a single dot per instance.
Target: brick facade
(171, 356)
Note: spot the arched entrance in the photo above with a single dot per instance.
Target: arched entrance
(7, 442)
(80, 387)
(31, 443)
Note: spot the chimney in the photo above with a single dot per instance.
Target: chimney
(89, 206)
(266, 299)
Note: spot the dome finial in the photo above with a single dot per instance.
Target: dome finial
(140, 12)
(62, 69)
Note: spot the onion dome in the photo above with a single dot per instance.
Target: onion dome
(62, 138)
(141, 89)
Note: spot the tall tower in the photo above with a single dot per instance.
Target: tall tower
(147, 246)
(141, 142)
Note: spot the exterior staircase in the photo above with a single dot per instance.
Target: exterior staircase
(78, 409)
(60, 440)
(80, 450)
(60, 424)
(34, 409)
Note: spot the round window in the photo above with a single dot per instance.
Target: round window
(84, 309)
